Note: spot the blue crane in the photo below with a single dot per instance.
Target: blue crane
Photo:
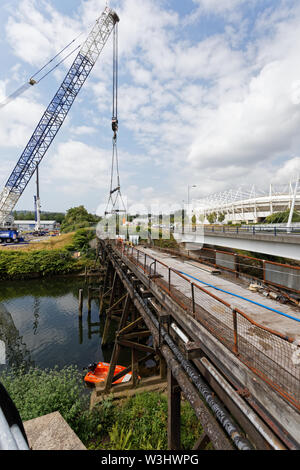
(55, 113)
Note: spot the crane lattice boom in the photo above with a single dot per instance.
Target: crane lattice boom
(56, 112)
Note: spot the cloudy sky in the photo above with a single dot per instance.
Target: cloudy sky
(209, 95)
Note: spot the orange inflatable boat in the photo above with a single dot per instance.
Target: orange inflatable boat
(97, 373)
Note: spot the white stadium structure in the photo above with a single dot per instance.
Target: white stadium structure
(249, 206)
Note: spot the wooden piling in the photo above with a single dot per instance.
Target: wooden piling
(134, 356)
(174, 397)
(80, 329)
(89, 299)
(100, 297)
(80, 301)
(163, 368)
(104, 290)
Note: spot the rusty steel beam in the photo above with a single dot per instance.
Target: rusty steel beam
(174, 402)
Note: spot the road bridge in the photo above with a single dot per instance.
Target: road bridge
(272, 242)
(236, 365)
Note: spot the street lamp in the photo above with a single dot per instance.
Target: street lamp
(189, 188)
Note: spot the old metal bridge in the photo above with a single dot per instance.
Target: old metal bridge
(241, 377)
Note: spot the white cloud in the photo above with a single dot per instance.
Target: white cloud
(262, 124)
(83, 130)
(17, 118)
(37, 31)
(288, 171)
(229, 9)
(219, 6)
(79, 168)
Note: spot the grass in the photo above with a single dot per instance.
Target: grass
(140, 423)
(53, 243)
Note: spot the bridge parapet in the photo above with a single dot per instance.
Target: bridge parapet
(276, 243)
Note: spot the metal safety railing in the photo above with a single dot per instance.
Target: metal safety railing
(250, 229)
(12, 433)
(275, 274)
(268, 353)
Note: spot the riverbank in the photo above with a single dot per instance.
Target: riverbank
(67, 254)
(136, 423)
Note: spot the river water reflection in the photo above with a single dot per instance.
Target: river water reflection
(40, 326)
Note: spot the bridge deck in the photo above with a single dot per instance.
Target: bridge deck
(262, 339)
(261, 315)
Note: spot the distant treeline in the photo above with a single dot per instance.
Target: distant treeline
(75, 218)
(282, 217)
(30, 215)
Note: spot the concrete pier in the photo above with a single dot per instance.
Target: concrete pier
(51, 432)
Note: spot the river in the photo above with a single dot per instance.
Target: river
(40, 325)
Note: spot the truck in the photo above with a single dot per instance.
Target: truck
(10, 235)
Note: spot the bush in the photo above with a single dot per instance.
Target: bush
(21, 265)
(82, 238)
(167, 243)
(140, 422)
(76, 218)
(37, 392)
(81, 242)
(146, 414)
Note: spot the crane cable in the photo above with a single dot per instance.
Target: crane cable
(57, 55)
(115, 193)
(32, 81)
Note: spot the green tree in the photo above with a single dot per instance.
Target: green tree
(221, 217)
(212, 217)
(57, 216)
(76, 218)
(282, 217)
